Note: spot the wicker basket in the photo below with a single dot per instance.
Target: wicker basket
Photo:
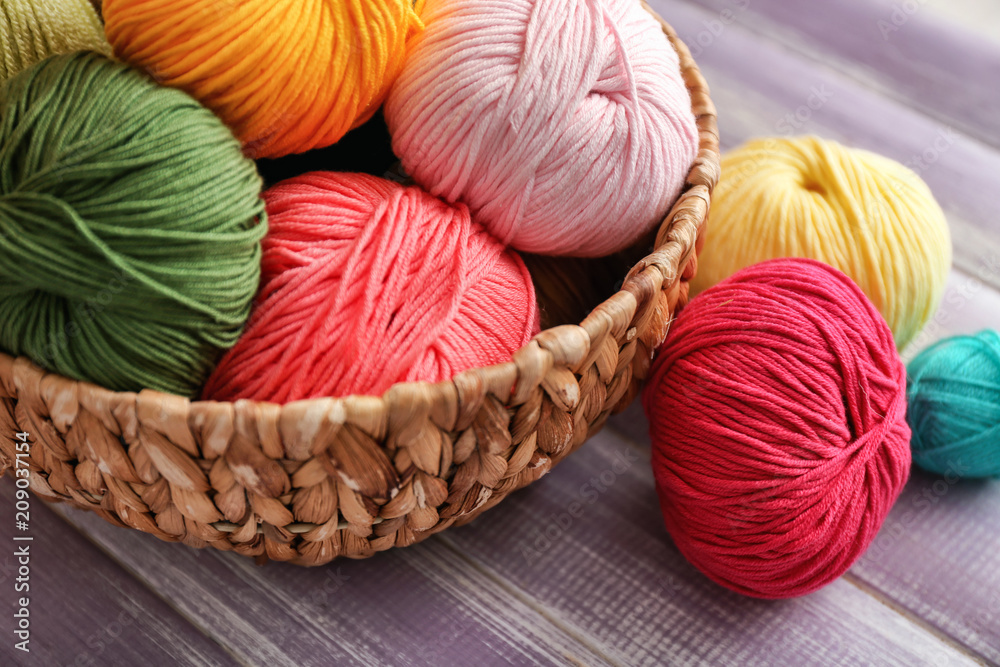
(317, 479)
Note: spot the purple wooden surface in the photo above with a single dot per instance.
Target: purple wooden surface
(938, 555)
(609, 588)
(900, 47)
(84, 609)
(424, 605)
(612, 573)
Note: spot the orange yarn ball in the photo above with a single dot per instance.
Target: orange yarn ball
(286, 75)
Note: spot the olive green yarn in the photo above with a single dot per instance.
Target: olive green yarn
(32, 30)
(130, 227)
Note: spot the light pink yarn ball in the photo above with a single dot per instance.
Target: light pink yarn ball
(564, 125)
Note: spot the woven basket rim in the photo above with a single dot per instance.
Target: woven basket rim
(700, 182)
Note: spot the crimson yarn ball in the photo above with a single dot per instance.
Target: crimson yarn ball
(366, 283)
(777, 411)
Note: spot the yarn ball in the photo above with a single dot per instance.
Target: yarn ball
(862, 213)
(564, 125)
(32, 30)
(953, 391)
(130, 227)
(367, 283)
(286, 75)
(777, 414)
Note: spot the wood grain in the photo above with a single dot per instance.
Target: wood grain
(403, 607)
(902, 50)
(937, 557)
(84, 609)
(610, 589)
(612, 573)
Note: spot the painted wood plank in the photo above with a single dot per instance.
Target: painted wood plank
(425, 605)
(938, 556)
(84, 609)
(588, 542)
(763, 89)
(901, 47)
(611, 579)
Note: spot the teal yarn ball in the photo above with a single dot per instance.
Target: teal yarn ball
(130, 227)
(953, 393)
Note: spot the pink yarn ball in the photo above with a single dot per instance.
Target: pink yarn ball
(366, 283)
(777, 414)
(564, 125)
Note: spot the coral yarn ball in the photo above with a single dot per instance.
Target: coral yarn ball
(564, 125)
(367, 283)
(777, 413)
(287, 75)
(862, 213)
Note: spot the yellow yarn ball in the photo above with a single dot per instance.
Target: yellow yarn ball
(862, 213)
(32, 30)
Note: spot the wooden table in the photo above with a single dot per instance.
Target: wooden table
(530, 584)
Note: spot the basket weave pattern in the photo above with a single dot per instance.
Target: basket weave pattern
(323, 478)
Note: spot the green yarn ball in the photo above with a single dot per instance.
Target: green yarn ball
(130, 227)
(953, 394)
